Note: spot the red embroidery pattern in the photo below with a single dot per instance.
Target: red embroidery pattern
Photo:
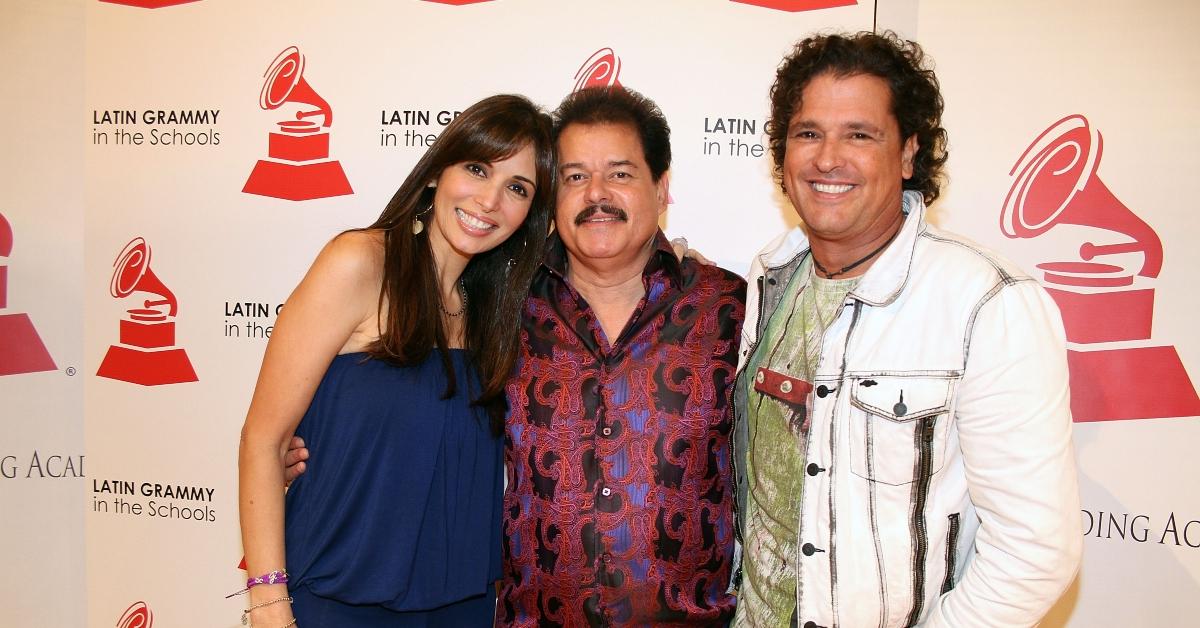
(619, 510)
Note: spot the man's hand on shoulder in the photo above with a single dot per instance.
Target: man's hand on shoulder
(680, 246)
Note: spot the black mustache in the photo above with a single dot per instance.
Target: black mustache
(601, 208)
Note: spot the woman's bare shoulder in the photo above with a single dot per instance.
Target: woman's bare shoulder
(354, 258)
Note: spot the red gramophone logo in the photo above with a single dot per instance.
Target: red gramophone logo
(795, 6)
(21, 348)
(299, 168)
(147, 354)
(138, 615)
(600, 70)
(149, 4)
(1102, 302)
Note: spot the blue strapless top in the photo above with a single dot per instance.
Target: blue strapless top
(400, 504)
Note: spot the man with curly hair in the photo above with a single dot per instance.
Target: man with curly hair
(904, 432)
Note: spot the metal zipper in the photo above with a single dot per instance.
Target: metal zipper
(924, 438)
(951, 553)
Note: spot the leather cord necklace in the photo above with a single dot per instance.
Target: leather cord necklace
(860, 262)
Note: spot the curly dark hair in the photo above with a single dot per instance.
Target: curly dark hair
(620, 105)
(916, 95)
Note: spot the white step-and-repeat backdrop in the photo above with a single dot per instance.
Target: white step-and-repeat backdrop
(161, 198)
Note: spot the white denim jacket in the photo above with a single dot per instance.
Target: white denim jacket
(940, 487)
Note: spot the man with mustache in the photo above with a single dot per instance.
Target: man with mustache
(619, 504)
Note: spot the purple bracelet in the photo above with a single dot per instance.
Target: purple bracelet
(278, 576)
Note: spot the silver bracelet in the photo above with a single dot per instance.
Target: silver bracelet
(246, 613)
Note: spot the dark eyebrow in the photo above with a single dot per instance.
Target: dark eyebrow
(520, 178)
(863, 126)
(612, 164)
(853, 126)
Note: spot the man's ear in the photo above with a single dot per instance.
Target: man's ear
(662, 191)
(907, 155)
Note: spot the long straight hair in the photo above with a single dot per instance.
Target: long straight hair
(497, 281)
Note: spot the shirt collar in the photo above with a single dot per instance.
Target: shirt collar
(883, 282)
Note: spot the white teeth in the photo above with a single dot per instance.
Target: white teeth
(830, 188)
(471, 221)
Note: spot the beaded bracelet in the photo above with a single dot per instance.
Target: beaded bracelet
(246, 613)
(279, 576)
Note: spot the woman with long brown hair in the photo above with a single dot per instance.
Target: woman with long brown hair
(390, 360)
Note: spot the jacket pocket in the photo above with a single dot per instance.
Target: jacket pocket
(886, 415)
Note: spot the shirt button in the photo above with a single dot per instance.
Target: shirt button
(810, 624)
(822, 391)
(606, 491)
(771, 281)
(785, 387)
(606, 431)
(813, 469)
(808, 549)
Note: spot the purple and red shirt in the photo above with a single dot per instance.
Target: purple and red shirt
(620, 497)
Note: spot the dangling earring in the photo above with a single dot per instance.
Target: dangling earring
(418, 226)
(512, 261)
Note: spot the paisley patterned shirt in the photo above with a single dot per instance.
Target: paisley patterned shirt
(619, 502)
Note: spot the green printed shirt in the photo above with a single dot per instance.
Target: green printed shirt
(777, 430)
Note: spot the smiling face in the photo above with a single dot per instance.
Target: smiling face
(477, 204)
(608, 201)
(845, 161)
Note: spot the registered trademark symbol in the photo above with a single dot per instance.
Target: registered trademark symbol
(71, 371)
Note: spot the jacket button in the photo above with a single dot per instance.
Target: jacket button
(771, 280)
(810, 624)
(900, 409)
(785, 387)
(813, 469)
(760, 378)
(823, 391)
(808, 549)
